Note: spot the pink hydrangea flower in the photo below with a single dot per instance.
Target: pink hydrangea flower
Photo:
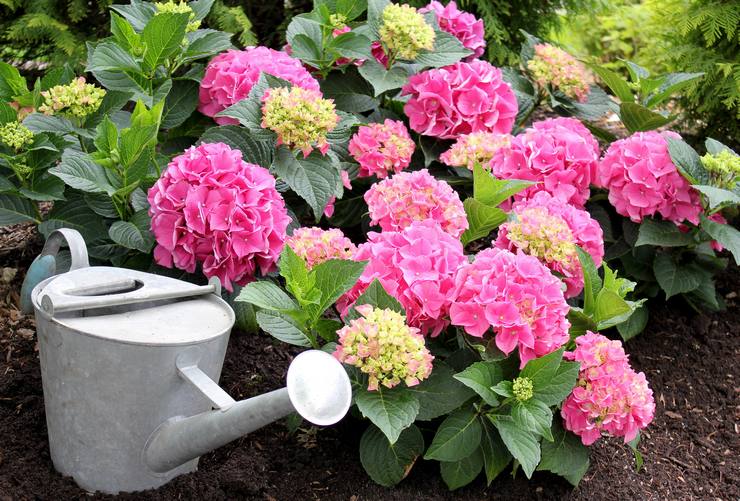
(406, 197)
(329, 209)
(609, 396)
(474, 148)
(211, 207)
(460, 99)
(382, 346)
(381, 148)
(316, 246)
(376, 49)
(416, 266)
(559, 154)
(462, 25)
(518, 297)
(555, 67)
(230, 76)
(550, 230)
(643, 181)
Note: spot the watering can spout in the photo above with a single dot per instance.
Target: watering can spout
(317, 388)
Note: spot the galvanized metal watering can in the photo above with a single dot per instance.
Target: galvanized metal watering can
(129, 363)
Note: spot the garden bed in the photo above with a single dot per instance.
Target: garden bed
(690, 450)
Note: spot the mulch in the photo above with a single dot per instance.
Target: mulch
(690, 450)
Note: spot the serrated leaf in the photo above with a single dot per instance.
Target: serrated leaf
(673, 83)
(335, 277)
(522, 444)
(130, 236)
(137, 13)
(491, 191)
(615, 82)
(376, 296)
(495, 454)
(204, 43)
(381, 79)
(349, 92)
(718, 197)
(460, 473)
(447, 50)
(162, 37)
(74, 213)
(391, 410)
(180, 103)
(674, 278)
(482, 220)
(591, 281)
(725, 234)
(635, 324)
(609, 305)
(387, 463)
(533, 415)
(637, 118)
(265, 294)
(283, 328)
(253, 150)
(542, 369)
(440, 393)
(15, 209)
(662, 234)
(457, 437)
(554, 390)
(480, 377)
(687, 161)
(565, 455)
(79, 171)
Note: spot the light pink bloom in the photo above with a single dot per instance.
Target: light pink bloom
(211, 207)
(460, 99)
(609, 396)
(555, 67)
(560, 154)
(518, 297)
(643, 181)
(416, 266)
(550, 229)
(382, 148)
(406, 197)
(462, 25)
(230, 76)
(474, 148)
(316, 246)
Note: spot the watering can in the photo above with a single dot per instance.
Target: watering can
(130, 363)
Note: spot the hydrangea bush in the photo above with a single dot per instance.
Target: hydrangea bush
(377, 190)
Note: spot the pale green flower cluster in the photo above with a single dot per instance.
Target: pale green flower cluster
(405, 32)
(724, 168)
(77, 99)
(523, 389)
(542, 235)
(552, 65)
(15, 135)
(179, 8)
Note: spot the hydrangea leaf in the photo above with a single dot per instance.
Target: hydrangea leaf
(265, 294)
(388, 463)
(283, 328)
(662, 234)
(725, 234)
(457, 437)
(495, 454)
(460, 473)
(382, 79)
(390, 410)
(522, 444)
(533, 415)
(558, 386)
(565, 455)
(687, 161)
(440, 393)
(480, 377)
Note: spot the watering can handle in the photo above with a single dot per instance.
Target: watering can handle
(45, 264)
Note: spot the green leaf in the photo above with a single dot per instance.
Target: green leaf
(351, 9)
(609, 305)
(635, 324)
(598, 105)
(447, 50)
(15, 209)
(45, 188)
(554, 390)
(116, 69)
(79, 171)
(714, 147)
(180, 103)
(162, 37)
(349, 91)
(138, 13)
(460, 473)
(74, 213)
(128, 235)
(266, 295)
(718, 197)
(565, 455)
(637, 118)
(457, 437)
(124, 33)
(113, 101)
(503, 388)
(541, 370)
(495, 454)
(205, 43)
(522, 444)
(305, 49)
(315, 179)
(387, 463)
(672, 84)
(687, 161)
(201, 8)
(381, 79)
(480, 377)
(615, 82)
(482, 220)
(636, 71)
(12, 84)
(293, 269)
(253, 150)
(390, 410)
(352, 45)
(638, 456)
(106, 137)
(333, 278)
(591, 281)
(674, 278)
(439, 394)
(580, 323)
(376, 296)
(534, 416)
(662, 234)
(7, 113)
(725, 234)
(491, 191)
(283, 328)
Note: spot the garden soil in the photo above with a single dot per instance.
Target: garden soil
(690, 450)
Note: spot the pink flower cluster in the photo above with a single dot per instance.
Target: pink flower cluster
(643, 181)
(549, 229)
(316, 246)
(212, 207)
(518, 297)
(559, 153)
(609, 395)
(406, 197)
(462, 25)
(416, 266)
(474, 148)
(553, 66)
(230, 76)
(381, 148)
(460, 99)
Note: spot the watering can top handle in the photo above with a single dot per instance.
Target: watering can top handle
(77, 247)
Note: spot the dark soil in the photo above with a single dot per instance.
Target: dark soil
(691, 449)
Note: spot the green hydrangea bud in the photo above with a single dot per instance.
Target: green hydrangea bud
(179, 8)
(77, 99)
(724, 168)
(523, 389)
(15, 135)
(337, 21)
(405, 31)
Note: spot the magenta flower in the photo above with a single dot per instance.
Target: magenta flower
(316, 246)
(230, 76)
(643, 181)
(462, 25)
(549, 229)
(518, 297)
(416, 266)
(460, 99)
(560, 154)
(382, 148)
(609, 396)
(212, 207)
(406, 197)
